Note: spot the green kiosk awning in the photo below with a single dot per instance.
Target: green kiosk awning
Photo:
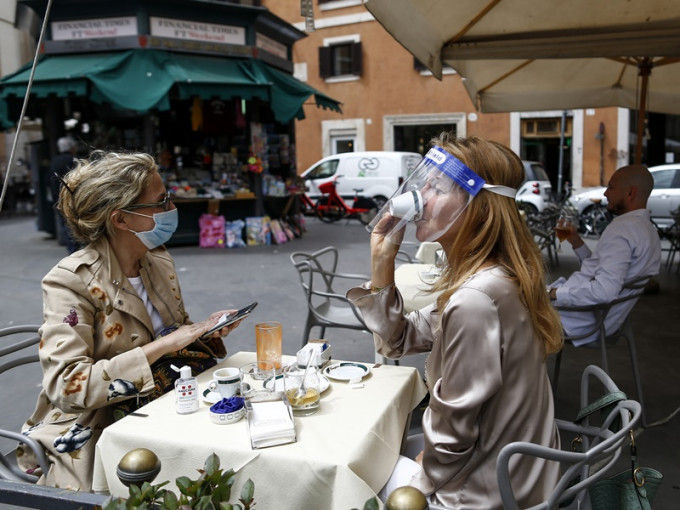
(141, 80)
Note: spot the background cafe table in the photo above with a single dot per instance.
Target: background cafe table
(413, 282)
(343, 456)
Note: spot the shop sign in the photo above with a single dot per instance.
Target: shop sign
(274, 47)
(197, 31)
(94, 28)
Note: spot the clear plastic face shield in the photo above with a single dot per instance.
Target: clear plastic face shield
(430, 201)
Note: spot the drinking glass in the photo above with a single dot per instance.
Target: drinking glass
(562, 228)
(268, 340)
(257, 379)
(303, 402)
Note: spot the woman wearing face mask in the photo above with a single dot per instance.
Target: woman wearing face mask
(114, 319)
(488, 333)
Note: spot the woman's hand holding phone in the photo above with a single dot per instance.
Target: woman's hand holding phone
(228, 320)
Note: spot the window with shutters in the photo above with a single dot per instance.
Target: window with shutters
(340, 59)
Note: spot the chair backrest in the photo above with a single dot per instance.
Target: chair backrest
(318, 274)
(602, 447)
(15, 354)
(325, 261)
(600, 311)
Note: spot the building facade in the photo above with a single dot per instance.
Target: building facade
(391, 103)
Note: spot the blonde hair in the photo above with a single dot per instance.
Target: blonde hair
(99, 185)
(492, 231)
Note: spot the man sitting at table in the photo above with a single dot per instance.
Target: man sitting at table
(628, 248)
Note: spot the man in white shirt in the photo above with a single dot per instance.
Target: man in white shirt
(628, 248)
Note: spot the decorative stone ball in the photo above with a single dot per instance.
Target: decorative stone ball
(138, 466)
(406, 498)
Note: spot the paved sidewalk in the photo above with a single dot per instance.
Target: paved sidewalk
(231, 278)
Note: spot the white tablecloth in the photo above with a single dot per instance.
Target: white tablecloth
(413, 281)
(343, 456)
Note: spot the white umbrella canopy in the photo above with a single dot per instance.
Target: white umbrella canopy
(551, 84)
(518, 55)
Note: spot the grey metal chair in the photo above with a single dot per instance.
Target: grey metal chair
(600, 311)
(18, 348)
(326, 306)
(602, 445)
(673, 236)
(542, 228)
(21, 345)
(602, 442)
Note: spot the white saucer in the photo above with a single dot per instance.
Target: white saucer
(210, 397)
(347, 371)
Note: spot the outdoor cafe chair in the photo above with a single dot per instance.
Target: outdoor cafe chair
(27, 353)
(19, 350)
(672, 233)
(542, 228)
(602, 446)
(605, 340)
(603, 440)
(327, 306)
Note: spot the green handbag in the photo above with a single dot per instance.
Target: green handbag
(634, 489)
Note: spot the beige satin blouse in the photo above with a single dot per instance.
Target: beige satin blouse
(488, 387)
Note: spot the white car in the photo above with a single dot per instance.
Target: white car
(377, 173)
(535, 193)
(665, 196)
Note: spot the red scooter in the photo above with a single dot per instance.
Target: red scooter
(331, 207)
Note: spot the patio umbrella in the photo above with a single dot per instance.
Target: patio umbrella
(518, 55)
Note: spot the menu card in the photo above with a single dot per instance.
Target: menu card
(270, 422)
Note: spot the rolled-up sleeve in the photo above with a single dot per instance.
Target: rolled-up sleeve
(606, 281)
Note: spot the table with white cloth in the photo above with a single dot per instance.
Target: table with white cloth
(413, 282)
(343, 456)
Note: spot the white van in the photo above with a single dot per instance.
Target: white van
(377, 174)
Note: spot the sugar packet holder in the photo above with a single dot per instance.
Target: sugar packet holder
(320, 349)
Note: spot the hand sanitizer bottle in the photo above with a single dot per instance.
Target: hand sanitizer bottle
(186, 391)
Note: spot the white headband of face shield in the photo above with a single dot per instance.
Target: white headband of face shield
(435, 183)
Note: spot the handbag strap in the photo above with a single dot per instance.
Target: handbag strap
(601, 403)
(637, 476)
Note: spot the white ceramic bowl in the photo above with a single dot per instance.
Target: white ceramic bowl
(227, 418)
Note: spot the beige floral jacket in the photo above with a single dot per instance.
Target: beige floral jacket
(91, 356)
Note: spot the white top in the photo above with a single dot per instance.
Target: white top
(156, 320)
(629, 248)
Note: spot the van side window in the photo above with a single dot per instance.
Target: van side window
(323, 170)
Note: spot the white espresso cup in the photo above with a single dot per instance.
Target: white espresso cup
(225, 381)
(408, 206)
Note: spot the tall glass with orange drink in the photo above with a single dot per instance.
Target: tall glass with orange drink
(268, 341)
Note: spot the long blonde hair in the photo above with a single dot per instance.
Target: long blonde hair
(99, 185)
(492, 231)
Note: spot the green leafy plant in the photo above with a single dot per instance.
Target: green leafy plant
(210, 491)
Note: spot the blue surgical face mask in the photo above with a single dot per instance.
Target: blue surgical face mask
(165, 225)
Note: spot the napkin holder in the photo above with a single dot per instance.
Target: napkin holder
(270, 420)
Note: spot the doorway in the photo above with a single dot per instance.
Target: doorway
(547, 152)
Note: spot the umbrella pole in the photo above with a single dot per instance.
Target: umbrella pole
(644, 70)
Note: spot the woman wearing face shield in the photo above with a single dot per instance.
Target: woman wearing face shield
(488, 333)
(114, 318)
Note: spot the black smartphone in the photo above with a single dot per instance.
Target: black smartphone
(225, 320)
